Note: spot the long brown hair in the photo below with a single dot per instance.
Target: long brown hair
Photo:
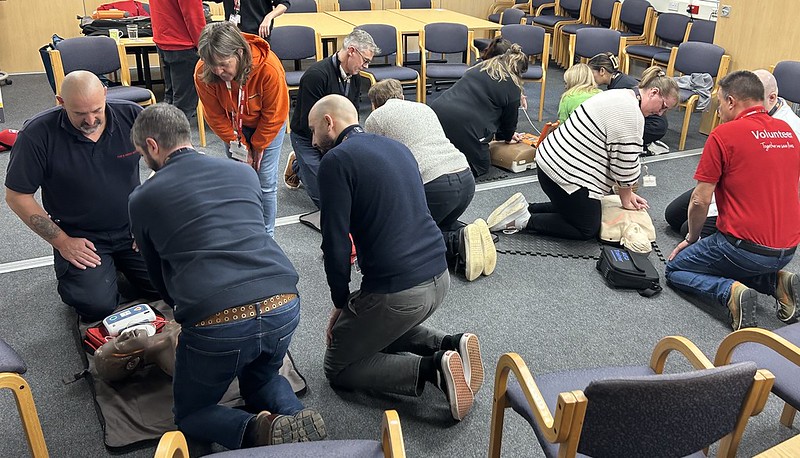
(222, 40)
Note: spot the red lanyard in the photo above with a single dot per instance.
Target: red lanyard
(236, 116)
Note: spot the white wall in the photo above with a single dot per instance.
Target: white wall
(706, 6)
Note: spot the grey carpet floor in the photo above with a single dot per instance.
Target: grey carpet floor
(556, 313)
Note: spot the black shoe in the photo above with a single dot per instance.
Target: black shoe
(310, 425)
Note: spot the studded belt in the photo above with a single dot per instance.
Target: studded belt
(245, 312)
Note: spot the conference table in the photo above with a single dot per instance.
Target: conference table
(141, 48)
(429, 16)
(404, 24)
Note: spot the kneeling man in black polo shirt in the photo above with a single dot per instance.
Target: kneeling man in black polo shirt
(82, 157)
(370, 187)
(199, 223)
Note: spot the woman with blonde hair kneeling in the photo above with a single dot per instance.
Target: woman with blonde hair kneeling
(579, 85)
(495, 86)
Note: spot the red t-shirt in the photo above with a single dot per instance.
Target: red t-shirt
(177, 23)
(755, 161)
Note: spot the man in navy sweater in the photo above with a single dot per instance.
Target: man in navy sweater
(371, 188)
(199, 224)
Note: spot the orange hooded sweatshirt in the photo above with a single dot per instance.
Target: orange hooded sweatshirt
(265, 92)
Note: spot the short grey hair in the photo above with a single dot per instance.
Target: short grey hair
(165, 124)
(362, 41)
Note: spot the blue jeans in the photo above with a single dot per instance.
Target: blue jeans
(209, 358)
(306, 165)
(267, 175)
(709, 267)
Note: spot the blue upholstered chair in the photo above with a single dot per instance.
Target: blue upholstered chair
(99, 55)
(700, 30)
(414, 4)
(388, 40)
(566, 12)
(671, 29)
(587, 43)
(295, 43)
(787, 74)
(443, 38)
(632, 411)
(635, 17)
(507, 17)
(776, 351)
(11, 369)
(535, 42)
(602, 14)
(696, 57)
(497, 7)
(173, 445)
(353, 5)
(303, 6)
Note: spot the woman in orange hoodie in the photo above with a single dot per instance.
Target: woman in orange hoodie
(242, 85)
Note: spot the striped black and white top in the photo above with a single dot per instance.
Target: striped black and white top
(598, 146)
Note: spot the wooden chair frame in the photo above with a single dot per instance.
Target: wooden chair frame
(647, 28)
(565, 427)
(562, 53)
(768, 339)
(423, 60)
(27, 412)
(653, 40)
(420, 93)
(173, 443)
(555, 31)
(573, 41)
(691, 102)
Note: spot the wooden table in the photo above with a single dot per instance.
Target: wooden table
(429, 16)
(404, 24)
(141, 48)
(326, 25)
(787, 449)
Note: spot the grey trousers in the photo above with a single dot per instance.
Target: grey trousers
(379, 340)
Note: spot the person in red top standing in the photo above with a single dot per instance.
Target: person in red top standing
(752, 164)
(176, 29)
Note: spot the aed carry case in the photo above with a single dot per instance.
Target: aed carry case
(624, 269)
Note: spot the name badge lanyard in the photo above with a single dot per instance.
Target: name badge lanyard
(235, 17)
(236, 115)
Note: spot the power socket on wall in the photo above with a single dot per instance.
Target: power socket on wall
(673, 6)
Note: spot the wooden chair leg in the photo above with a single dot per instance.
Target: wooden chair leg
(787, 415)
(27, 412)
(541, 100)
(686, 118)
(201, 123)
(496, 428)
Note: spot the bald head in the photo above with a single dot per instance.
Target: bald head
(770, 88)
(84, 99)
(328, 118)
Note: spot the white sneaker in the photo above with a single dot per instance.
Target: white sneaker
(473, 252)
(658, 147)
(487, 244)
(511, 216)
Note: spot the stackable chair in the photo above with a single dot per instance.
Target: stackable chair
(602, 14)
(635, 17)
(11, 369)
(101, 56)
(303, 6)
(776, 351)
(507, 17)
(352, 5)
(295, 43)
(414, 4)
(534, 42)
(173, 445)
(696, 57)
(587, 43)
(671, 29)
(633, 411)
(497, 7)
(443, 38)
(699, 30)
(566, 12)
(787, 74)
(388, 40)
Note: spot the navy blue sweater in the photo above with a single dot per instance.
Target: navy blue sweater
(199, 224)
(370, 187)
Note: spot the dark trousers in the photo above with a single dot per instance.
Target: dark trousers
(93, 292)
(178, 69)
(306, 165)
(677, 216)
(448, 196)
(570, 216)
(655, 127)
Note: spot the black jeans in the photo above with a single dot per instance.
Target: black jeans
(677, 216)
(655, 127)
(448, 196)
(570, 216)
(179, 89)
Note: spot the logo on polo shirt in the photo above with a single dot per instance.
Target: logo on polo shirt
(124, 155)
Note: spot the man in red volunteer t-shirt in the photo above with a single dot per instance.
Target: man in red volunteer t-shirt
(752, 164)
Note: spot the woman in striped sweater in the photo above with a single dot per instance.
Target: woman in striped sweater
(596, 149)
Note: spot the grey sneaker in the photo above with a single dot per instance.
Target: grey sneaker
(511, 216)
(274, 429)
(742, 306)
(786, 296)
(487, 245)
(472, 251)
(450, 374)
(469, 348)
(310, 425)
